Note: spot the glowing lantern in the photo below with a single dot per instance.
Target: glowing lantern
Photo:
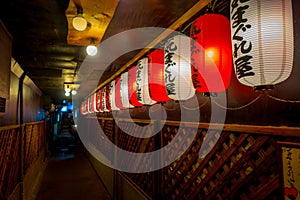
(86, 103)
(142, 84)
(90, 105)
(118, 93)
(83, 108)
(124, 90)
(99, 101)
(107, 97)
(157, 87)
(177, 70)
(94, 100)
(211, 53)
(132, 89)
(104, 104)
(112, 94)
(262, 41)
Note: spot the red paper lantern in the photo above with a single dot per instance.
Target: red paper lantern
(211, 53)
(118, 94)
(83, 108)
(98, 101)
(107, 97)
(132, 89)
(156, 78)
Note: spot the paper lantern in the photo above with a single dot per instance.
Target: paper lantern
(132, 89)
(99, 101)
(107, 97)
(124, 90)
(112, 93)
(104, 99)
(142, 83)
(177, 70)
(262, 41)
(86, 106)
(83, 108)
(90, 105)
(211, 53)
(156, 78)
(118, 93)
(94, 102)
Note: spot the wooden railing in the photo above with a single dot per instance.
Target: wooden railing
(243, 164)
(20, 146)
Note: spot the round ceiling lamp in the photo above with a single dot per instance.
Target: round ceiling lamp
(92, 49)
(79, 22)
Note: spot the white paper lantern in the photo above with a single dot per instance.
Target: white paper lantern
(112, 95)
(94, 102)
(178, 75)
(142, 84)
(104, 100)
(99, 100)
(90, 104)
(262, 41)
(124, 90)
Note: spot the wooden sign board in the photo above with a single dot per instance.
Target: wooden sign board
(5, 61)
(2, 104)
(290, 172)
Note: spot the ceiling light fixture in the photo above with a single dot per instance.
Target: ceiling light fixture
(92, 49)
(70, 88)
(79, 22)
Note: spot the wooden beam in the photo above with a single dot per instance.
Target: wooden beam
(184, 18)
(98, 14)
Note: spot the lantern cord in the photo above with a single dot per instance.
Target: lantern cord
(237, 108)
(211, 6)
(283, 100)
(205, 102)
(170, 109)
(187, 26)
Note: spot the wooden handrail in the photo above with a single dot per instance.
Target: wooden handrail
(256, 129)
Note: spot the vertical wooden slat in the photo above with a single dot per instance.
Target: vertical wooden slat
(16, 153)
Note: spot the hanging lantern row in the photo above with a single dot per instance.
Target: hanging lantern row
(203, 61)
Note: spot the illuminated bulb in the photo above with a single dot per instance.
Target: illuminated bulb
(68, 90)
(67, 94)
(74, 92)
(79, 23)
(210, 54)
(91, 50)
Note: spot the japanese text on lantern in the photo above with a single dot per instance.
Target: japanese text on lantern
(169, 63)
(241, 47)
(104, 98)
(138, 81)
(194, 51)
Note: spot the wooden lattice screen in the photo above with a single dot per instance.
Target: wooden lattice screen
(243, 164)
(16, 157)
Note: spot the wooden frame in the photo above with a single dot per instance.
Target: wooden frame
(289, 163)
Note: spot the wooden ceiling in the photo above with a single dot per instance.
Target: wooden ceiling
(52, 51)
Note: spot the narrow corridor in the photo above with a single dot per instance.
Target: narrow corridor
(69, 173)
